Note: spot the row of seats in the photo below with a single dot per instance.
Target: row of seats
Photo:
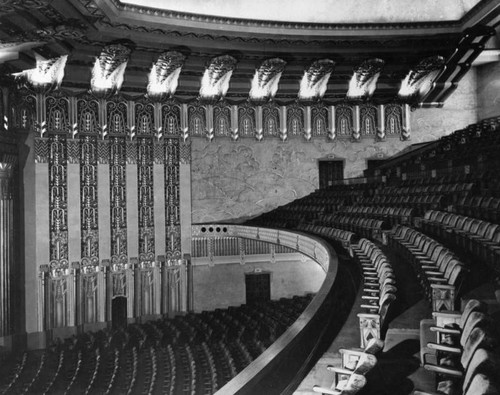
(190, 354)
(341, 238)
(379, 290)
(479, 238)
(365, 227)
(439, 271)
(462, 350)
(393, 215)
(483, 207)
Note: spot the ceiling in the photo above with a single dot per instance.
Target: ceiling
(347, 36)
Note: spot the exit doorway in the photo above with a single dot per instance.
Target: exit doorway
(258, 287)
(329, 171)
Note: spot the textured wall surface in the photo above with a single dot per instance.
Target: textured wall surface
(488, 90)
(245, 178)
(287, 279)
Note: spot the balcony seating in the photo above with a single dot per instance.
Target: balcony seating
(439, 271)
(195, 353)
(340, 238)
(466, 345)
(379, 290)
(365, 227)
(472, 236)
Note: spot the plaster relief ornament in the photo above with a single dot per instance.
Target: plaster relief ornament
(315, 80)
(109, 69)
(46, 76)
(164, 75)
(266, 79)
(419, 80)
(215, 81)
(364, 80)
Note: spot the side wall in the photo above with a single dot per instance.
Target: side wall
(223, 285)
(245, 178)
(488, 90)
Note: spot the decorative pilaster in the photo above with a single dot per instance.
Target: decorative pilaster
(172, 199)
(6, 245)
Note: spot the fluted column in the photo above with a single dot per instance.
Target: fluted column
(6, 244)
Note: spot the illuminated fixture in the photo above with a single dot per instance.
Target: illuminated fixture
(266, 79)
(419, 80)
(46, 76)
(364, 79)
(164, 75)
(315, 79)
(215, 81)
(109, 69)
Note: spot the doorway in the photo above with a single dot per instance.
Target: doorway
(329, 171)
(119, 312)
(258, 287)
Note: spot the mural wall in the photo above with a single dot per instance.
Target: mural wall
(245, 178)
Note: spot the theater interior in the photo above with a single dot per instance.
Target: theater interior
(250, 197)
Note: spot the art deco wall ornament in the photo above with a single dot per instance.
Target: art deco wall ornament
(314, 82)
(418, 81)
(109, 70)
(364, 79)
(266, 79)
(215, 81)
(46, 76)
(164, 75)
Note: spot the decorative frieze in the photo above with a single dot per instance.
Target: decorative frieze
(145, 155)
(88, 194)
(172, 199)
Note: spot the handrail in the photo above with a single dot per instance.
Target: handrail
(262, 374)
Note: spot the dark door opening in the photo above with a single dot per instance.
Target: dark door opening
(329, 171)
(371, 166)
(119, 312)
(258, 287)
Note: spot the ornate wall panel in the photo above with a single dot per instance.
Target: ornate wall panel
(57, 114)
(295, 120)
(118, 202)
(117, 120)
(271, 120)
(344, 120)
(58, 204)
(172, 199)
(89, 202)
(246, 120)
(145, 155)
(171, 119)
(393, 120)
(197, 120)
(22, 114)
(368, 114)
(222, 120)
(319, 120)
(87, 109)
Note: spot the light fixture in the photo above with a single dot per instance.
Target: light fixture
(46, 76)
(418, 81)
(164, 75)
(266, 79)
(109, 69)
(364, 80)
(215, 81)
(315, 79)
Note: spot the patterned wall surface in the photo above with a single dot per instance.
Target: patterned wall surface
(244, 178)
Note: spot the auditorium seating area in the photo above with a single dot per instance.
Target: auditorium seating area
(436, 211)
(187, 354)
